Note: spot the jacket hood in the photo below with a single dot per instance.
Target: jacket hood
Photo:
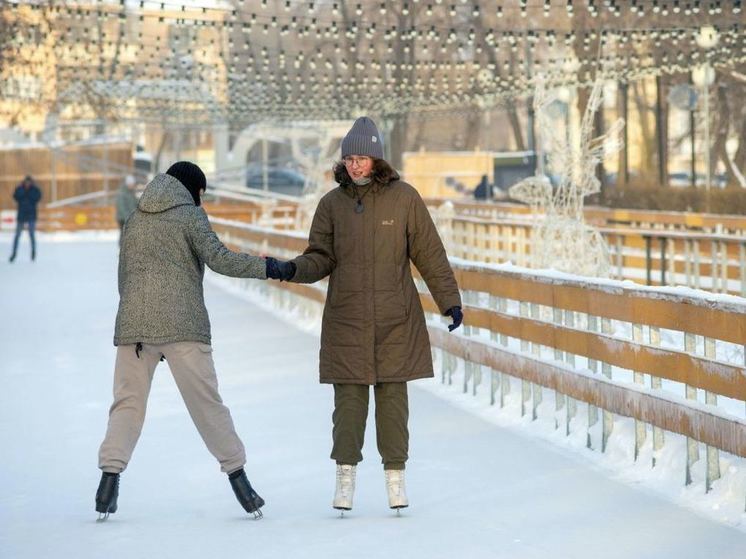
(163, 193)
(383, 174)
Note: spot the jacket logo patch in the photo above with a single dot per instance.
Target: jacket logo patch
(387, 222)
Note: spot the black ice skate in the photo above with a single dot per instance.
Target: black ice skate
(106, 496)
(249, 499)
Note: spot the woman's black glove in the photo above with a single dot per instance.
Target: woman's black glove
(279, 269)
(457, 316)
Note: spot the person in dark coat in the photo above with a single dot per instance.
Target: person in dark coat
(365, 235)
(27, 195)
(483, 190)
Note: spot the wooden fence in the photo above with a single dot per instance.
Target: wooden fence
(672, 361)
(653, 257)
(68, 171)
(608, 217)
(79, 217)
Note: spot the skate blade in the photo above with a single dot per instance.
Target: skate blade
(342, 511)
(258, 514)
(102, 517)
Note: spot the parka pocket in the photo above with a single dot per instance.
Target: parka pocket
(349, 278)
(391, 306)
(346, 288)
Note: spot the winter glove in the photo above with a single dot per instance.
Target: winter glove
(457, 316)
(279, 269)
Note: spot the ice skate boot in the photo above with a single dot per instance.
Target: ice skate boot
(106, 496)
(249, 499)
(396, 490)
(345, 487)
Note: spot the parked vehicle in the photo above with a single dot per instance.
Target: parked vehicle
(684, 179)
(279, 180)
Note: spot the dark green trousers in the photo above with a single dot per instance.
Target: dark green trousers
(351, 413)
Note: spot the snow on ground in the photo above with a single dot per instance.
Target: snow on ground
(477, 489)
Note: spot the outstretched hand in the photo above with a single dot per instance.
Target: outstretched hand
(458, 317)
(280, 269)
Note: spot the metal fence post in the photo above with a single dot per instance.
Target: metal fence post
(559, 398)
(692, 446)
(468, 365)
(494, 304)
(713, 454)
(572, 406)
(656, 384)
(724, 266)
(592, 325)
(523, 309)
(714, 276)
(504, 378)
(536, 351)
(639, 378)
(687, 263)
(608, 417)
(648, 260)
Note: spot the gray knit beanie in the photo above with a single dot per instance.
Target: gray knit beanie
(363, 139)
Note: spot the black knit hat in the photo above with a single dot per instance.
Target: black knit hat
(191, 176)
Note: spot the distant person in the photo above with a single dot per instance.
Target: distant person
(165, 246)
(483, 190)
(126, 202)
(27, 195)
(365, 235)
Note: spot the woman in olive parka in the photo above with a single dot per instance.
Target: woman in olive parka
(364, 234)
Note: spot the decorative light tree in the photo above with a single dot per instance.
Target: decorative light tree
(562, 240)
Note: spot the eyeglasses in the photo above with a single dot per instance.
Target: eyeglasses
(356, 161)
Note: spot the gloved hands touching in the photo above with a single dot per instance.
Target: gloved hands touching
(280, 269)
(458, 317)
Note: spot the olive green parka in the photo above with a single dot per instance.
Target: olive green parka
(373, 328)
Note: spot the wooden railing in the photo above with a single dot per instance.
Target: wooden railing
(608, 217)
(64, 171)
(672, 360)
(87, 216)
(77, 218)
(653, 257)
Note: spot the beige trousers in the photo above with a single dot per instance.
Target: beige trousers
(194, 372)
